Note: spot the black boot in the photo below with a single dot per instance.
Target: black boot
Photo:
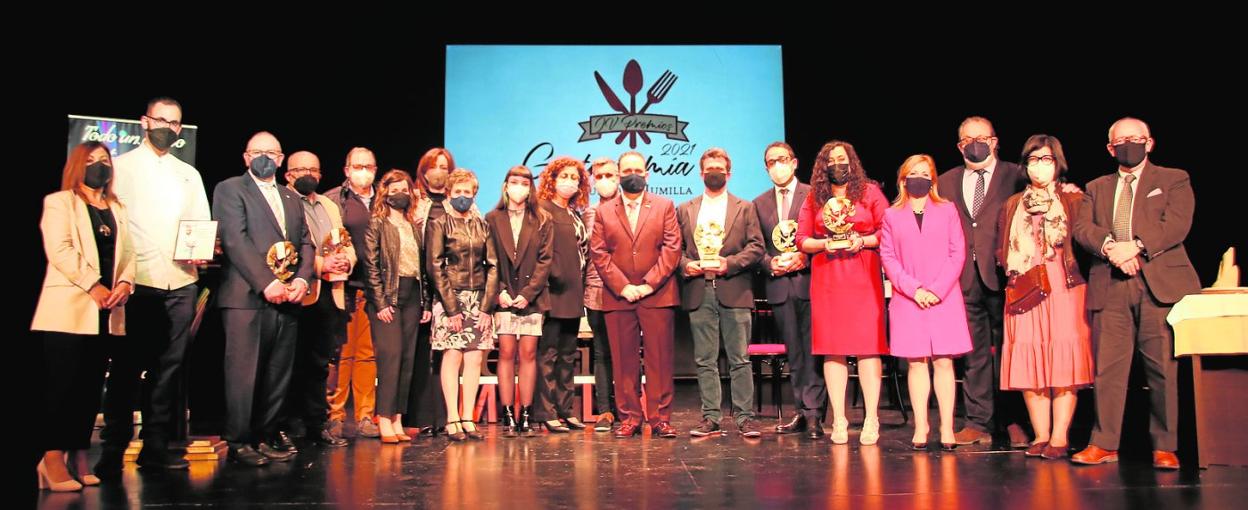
(523, 427)
(509, 422)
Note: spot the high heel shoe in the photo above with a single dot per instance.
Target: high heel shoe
(919, 444)
(947, 446)
(45, 482)
(474, 433)
(524, 427)
(840, 431)
(454, 432)
(557, 428)
(870, 432)
(87, 479)
(509, 422)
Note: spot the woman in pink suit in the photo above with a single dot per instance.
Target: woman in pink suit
(846, 291)
(923, 251)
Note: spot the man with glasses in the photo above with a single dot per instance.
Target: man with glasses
(159, 190)
(979, 187)
(355, 373)
(1136, 222)
(322, 325)
(787, 276)
(269, 260)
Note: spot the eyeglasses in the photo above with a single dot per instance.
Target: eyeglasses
(981, 139)
(306, 169)
(175, 124)
(1129, 139)
(255, 153)
(781, 160)
(1031, 160)
(363, 167)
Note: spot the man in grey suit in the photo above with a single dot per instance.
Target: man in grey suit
(788, 290)
(1138, 218)
(717, 291)
(979, 188)
(258, 220)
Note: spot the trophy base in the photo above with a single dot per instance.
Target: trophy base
(839, 244)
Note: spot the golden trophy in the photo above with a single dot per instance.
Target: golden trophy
(336, 241)
(709, 238)
(784, 237)
(836, 214)
(282, 260)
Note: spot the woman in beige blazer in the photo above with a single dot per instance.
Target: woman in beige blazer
(89, 278)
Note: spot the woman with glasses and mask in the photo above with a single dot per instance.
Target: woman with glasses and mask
(1047, 353)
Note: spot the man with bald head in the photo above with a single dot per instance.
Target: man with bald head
(1136, 221)
(261, 226)
(322, 324)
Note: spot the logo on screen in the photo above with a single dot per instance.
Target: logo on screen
(630, 122)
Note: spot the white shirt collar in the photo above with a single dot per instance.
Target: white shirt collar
(261, 184)
(791, 186)
(628, 202)
(988, 169)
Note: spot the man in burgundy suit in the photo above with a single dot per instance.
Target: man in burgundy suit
(636, 246)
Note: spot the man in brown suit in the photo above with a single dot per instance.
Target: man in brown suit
(1139, 218)
(635, 246)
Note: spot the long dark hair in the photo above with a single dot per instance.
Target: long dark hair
(530, 204)
(821, 181)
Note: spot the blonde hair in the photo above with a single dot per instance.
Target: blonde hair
(902, 196)
(462, 175)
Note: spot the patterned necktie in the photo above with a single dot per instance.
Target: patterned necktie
(1122, 214)
(979, 193)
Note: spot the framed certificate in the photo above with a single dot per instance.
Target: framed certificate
(196, 240)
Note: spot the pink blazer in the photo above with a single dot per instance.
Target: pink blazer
(931, 259)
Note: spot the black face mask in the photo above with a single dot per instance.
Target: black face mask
(1130, 154)
(400, 201)
(162, 138)
(306, 185)
(98, 174)
(976, 152)
(918, 187)
(715, 181)
(633, 183)
(263, 167)
(838, 173)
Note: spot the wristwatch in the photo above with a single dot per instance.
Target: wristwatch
(1140, 244)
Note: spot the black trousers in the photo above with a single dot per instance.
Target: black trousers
(810, 394)
(556, 364)
(75, 367)
(604, 388)
(259, 359)
(987, 408)
(395, 346)
(158, 334)
(425, 404)
(322, 329)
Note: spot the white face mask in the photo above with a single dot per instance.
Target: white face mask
(1041, 174)
(362, 178)
(566, 188)
(606, 188)
(780, 173)
(517, 192)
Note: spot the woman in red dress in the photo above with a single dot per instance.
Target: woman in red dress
(846, 286)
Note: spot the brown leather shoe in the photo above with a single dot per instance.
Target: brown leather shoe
(1018, 437)
(1094, 454)
(1165, 460)
(1036, 450)
(971, 436)
(1055, 452)
(665, 429)
(627, 430)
